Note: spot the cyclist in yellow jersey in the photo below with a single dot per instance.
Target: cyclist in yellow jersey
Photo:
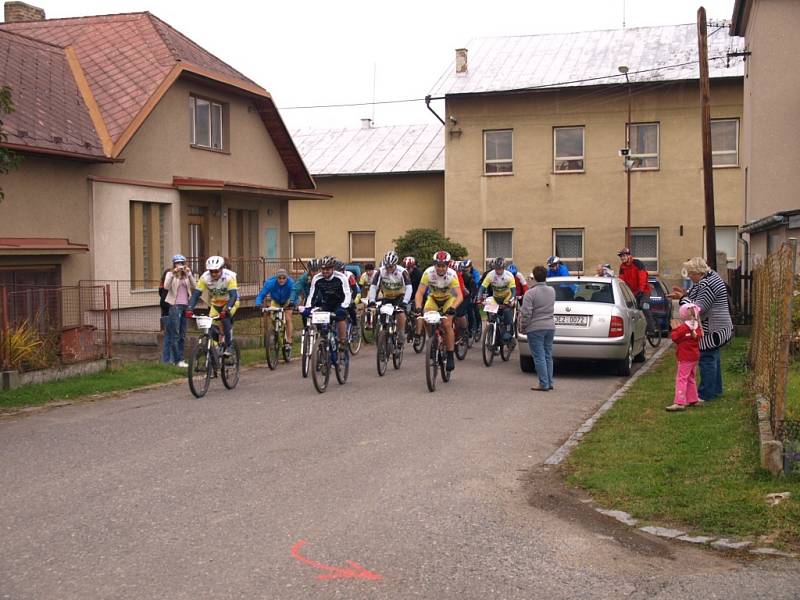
(444, 296)
(504, 290)
(219, 290)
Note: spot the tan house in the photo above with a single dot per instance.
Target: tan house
(137, 144)
(384, 181)
(535, 125)
(770, 124)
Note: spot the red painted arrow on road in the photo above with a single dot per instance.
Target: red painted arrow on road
(356, 571)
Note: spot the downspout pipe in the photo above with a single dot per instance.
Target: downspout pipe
(428, 99)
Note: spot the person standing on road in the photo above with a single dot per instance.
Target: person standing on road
(710, 293)
(536, 320)
(179, 284)
(686, 337)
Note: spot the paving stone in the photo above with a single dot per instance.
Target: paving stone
(619, 515)
(699, 539)
(772, 552)
(663, 531)
(728, 544)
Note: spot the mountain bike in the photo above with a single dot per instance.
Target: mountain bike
(208, 357)
(436, 354)
(307, 340)
(651, 332)
(275, 337)
(417, 342)
(386, 340)
(367, 320)
(325, 353)
(463, 342)
(354, 336)
(493, 342)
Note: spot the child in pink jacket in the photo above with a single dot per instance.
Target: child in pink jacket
(686, 337)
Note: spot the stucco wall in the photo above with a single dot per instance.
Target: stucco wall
(534, 200)
(771, 130)
(387, 205)
(47, 197)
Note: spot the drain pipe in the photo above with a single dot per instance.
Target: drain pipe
(428, 104)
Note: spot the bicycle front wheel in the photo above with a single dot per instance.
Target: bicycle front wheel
(432, 363)
(200, 369)
(653, 337)
(230, 367)
(488, 344)
(305, 353)
(354, 338)
(367, 332)
(320, 364)
(419, 342)
(397, 352)
(382, 352)
(342, 365)
(272, 348)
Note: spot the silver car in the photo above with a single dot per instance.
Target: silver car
(596, 319)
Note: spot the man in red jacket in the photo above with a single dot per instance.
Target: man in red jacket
(633, 272)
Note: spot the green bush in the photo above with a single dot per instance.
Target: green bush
(423, 243)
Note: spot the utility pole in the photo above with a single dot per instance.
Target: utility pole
(708, 173)
(627, 162)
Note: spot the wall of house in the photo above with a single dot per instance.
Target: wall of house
(48, 197)
(770, 151)
(388, 205)
(534, 200)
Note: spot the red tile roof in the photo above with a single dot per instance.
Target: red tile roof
(129, 60)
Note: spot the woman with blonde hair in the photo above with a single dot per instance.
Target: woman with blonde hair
(710, 293)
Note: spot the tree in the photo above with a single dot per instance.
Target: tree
(423, 243)
(9, 160)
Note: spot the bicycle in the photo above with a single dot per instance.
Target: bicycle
(207, 358)
(325, 353)
(493, 343)
(386, 338)
(436, 355)
(307, 340)
(463, 342)
(353, 336)
(652, 333)
(417, 342)
(367, 320)
(275, 337)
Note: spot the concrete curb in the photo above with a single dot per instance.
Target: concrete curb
(564, 451)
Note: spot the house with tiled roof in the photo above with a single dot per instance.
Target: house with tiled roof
(383, 182)
(136, 144)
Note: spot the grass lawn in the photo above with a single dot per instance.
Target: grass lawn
(697, 470)
(793, 391)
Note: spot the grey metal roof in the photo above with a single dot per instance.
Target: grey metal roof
(395, 149)
(652, 54)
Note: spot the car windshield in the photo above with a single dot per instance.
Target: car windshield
(586, 291)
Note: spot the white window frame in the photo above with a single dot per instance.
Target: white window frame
(291, 243)
(656, 259)
(571, 260)
(726, 152)
(730, 229)
(656, 155)
(557, 158)
(486, 233)
(350, 250)
(498, 161)
(212, 106)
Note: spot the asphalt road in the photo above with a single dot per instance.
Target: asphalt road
(268, 491)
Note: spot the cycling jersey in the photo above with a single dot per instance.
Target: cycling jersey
(503, 286)
(330, 293)
(366, 278)
(391, 285)
(220, 293)
(440, 287)
(282, 295)
(560, 271)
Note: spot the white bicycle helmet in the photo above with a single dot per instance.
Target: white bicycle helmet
(215, 263)
(390, 259)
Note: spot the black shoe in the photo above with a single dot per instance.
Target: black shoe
(451, 364)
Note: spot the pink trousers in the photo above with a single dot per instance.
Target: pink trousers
(685, 383)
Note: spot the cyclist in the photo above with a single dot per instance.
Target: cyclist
(444, 297)
(414, 272)
(519, 279)
(366, 277)
(330, 291)
(303, 283)
(217, 286)
(556, 268)
(281, 292)
(633, 272)
(461, 311)
(394, 284)
(355, 290)
(504, 290)
(469, 298)
(472, 273)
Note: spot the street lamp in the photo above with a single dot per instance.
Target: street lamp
(628, 162)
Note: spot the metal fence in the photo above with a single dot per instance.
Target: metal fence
(47, 326)
(774, 283)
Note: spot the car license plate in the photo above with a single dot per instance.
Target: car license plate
(572, 320)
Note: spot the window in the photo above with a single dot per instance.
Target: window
(303, 246)
(725, 142)
(568, 246)
(568, 149)
(243, 232)
(644, 245)
(207, 123)
(497, 242)
(727, 242)
(644, 146)
(497, 152)
(148, 231)
(362, 246)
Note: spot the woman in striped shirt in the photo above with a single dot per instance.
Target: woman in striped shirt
(710, 293)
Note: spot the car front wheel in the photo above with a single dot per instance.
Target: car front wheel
(526, 364)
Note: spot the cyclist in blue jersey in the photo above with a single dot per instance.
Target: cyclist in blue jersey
(280, 290)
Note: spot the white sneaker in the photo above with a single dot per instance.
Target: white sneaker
(183, 364)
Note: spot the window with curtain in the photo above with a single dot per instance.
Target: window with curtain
(362, 246)
(644, 146)
(644, 246)
(303, 245)
(568, 149)
(498, 152)
(207, 122)
(148, 243)
(725, 142)
(568, 246)
(498, 242)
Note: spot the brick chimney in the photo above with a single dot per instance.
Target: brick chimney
(19, 11)
(461, 61)
(366, 123)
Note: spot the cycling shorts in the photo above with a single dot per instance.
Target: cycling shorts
(285, 305)
(440, 306)
(214, 310)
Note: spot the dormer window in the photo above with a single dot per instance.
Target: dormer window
(207, 121)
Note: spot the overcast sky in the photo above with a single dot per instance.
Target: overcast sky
(312, 52)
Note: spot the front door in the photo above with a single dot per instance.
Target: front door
(198, 238)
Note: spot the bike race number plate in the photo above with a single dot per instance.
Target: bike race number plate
(491, 307)
(572, 320)
(432, 317)
(321, 318)
(387, 309)
(203, 322)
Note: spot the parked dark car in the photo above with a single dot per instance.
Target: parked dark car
(660, 305)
